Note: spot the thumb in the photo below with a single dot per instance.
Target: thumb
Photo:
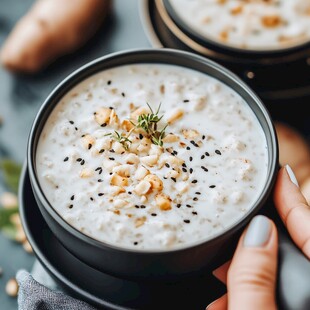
(252, 274)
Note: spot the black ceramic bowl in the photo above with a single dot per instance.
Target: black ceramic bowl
(274, 74)
(168, 264)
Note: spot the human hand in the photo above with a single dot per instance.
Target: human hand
(251, 275)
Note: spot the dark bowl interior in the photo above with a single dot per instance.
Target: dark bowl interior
(204, 255)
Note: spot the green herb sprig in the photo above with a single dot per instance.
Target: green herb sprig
(124, 140)
(149, 122)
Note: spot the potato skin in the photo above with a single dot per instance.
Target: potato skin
(50, 29)
(294, 150)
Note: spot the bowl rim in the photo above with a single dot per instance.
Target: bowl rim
(94, 67)
(198, 42)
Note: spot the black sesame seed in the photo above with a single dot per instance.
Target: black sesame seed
(204, 168)
(188, 148)
(110, 173)
(72, 197)
(194, 181)
(109, 82)
(212, 186)
(123, 94)
(207, 154)
(191, 158)
(111, 158)
(101, 151)
(194, 143)
(195, 198)
(82, 162)
(175, 152)
(184, 170)
(76, 128)
(218, 152)
(100, 180)
(140, 136)
(97, 169)
(100, 194)
(194, 212)
(79, 159)
(91, 198)
(111, 108)
(187, 221)
(197, 193)
(202, 157)
(112, 151)
(129, 193)
(104, 125)
(66, 159)
(90, 146)
(71, 122)
(71, 206)
(136, 206)
(82, 136)
(203, 137)
(188, 206)
(165, 178)
(167, 165)
(191, 170)
(178, 205)
(174, 179)
(184, 165)
(153, 214)
(186, 100)
(142, 206)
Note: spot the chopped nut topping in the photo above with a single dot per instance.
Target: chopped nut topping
(271, 21)
(140, 221)
(118, 180)
(155, 181)
(163, 201)
(88, 141)
(143, 187)
(190, 133)
(102, 116)
(176, 115)
(86, 173)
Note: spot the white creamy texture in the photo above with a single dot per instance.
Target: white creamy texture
(251, 24)
(207, 175)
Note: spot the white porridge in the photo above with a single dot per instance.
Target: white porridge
(251, 24)
(134, 178)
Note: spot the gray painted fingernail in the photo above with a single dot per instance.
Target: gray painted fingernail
(291, 174)
(258, 232)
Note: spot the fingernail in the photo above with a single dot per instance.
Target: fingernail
(258, 232)
(291, 174)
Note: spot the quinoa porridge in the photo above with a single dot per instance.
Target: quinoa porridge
(151, 156)
(251, 24)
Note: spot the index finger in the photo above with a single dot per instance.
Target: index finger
(293, 209)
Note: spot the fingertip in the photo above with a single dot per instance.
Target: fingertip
(218, 304)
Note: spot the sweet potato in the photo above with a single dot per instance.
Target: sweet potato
(294, 150)
(50, 29)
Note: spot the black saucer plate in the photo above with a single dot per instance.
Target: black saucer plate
(99, 289)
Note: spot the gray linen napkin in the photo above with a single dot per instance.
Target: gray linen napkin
(38, 291)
